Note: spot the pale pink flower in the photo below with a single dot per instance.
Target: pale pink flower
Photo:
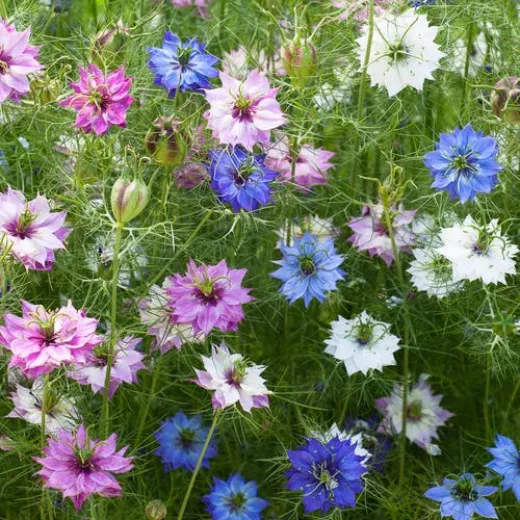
(236, 63)
(358, 9)
(201, 5)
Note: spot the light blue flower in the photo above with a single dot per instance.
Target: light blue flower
(506, 462)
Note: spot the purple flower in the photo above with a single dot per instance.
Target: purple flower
(30, 231)
(506, 462)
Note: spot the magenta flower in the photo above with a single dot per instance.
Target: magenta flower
(233, 380)
(17, 60)
(80, 467)
(208, 296)
(371, 233)
(243, 112)
(101, 101)
(125, 365)
(41, 340)
(311, 165)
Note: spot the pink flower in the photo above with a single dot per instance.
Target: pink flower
(125, 364)
(233, 380)
(371, 232)
(311, 165)
(17, 60)
(30, 231)
(243, 112)
(101, 101)
(236, 63)
(201, 5)
(358, 9)
(208, 296)
(80, 467)
(41, 340)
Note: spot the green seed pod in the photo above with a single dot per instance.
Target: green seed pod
(155, 510)
(300, 61)
(128, 199)
(165, 142)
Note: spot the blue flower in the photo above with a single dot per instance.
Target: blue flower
(327, 474)
(464, 163)
(181, 66)
(419, 3)
(234, 499)
(462, 498)
(309, 269)
(506, 463)
(240, 179)
(181, 440)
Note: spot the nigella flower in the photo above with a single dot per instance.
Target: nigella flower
(100, 100)
(371, 231)
(181, 439)
(234, 499)
(506, 462)
(233, 380)
(424, 414)
(201, 5)
(236, 63)
(30, 231)
(327, 474)
(358, 9)
(80, 467)
(17, 60)
(419, 3)
(464, 163)
(241, 179)
(127, 361)
(180, 67)
(243, 112)
(207, 297)
(309, 268)
(462, 498)
(362, 343)
(41, 340)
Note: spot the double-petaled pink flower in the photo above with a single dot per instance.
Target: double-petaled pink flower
(243, 112)
(30, 231)
(41, 340)
(80, 467)
(100, 100)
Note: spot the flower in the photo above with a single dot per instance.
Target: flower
(41, 340)
(328, 474)
(243, 112)
(236, 62)
(424, 414)
(60, 413)
(462, 498)
(30, 231)
(201, 5)
(233, 380)
(358, 9)
(464, 163)
(339, 92)
(17, 60)
(80, 467)
(234, 499)
(478, 252)
(181, 440)
(181, 67)
(240, 179)
(477, 55)
(207, 297)
(126, 362)
(100, 100)
(362, 343)
(309, 269)
(371, 232)
(403, 51)
(506, 462)
(419, 3)
(310, 168)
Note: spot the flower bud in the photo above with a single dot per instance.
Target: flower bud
(45, 89)
(165, 142)
(128, 199)
(299, 59)
(505, 99)
(111, 40)
(155, 510)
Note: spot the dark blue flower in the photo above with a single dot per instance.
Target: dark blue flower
(181, 66)
(462, 498)
(464, 163)
(419, 3)
(506, 462)
(240, 179)
(181, 440)
(327, 474)
(234, 499)
(309, 269)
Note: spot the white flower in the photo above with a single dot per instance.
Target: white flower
(403, 51)
(322, 228)
(478, 252)
(331, 95)
(457, 61)
(362, 343)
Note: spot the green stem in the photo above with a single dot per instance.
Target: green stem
(93, 515)
(113, 329)
(199, 463)
(511, 400)
(469, 51)
(485, 404)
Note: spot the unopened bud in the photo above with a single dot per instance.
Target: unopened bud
(45, 89)
(505, 99)
(165, 142)
(155, 510)
(128, 199)
(111, 39)
(299, 60)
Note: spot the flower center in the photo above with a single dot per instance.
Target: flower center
(414, 411)
(101, 355)
(398, 51)
(364, 333)
(235, 375)
(237, 502)
(100, 100)
(22, 226)
(244, 173)
(4, 67)
(242, 109)
(186, 438)
(463, 165)
(324, 476)
(442, 268)
(464, 491)
(84, 456)
(307, 266)
(184, 55)
(481, 247)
